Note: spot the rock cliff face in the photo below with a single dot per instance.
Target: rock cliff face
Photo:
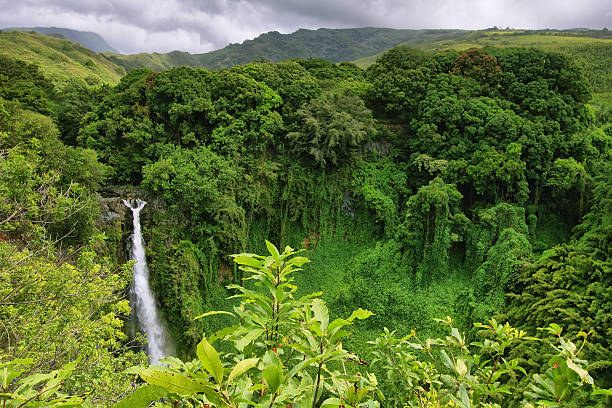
(112, 208)
(112, 211)
(115, 218)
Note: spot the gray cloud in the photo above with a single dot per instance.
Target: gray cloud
(199, 26)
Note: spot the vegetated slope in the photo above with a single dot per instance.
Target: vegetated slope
(591, 49)
(330, 44)
(59, 59)
(87, 39)
(430, 185)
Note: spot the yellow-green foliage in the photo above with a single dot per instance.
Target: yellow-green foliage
(60, 59)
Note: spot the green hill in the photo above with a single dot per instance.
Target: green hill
(59, 59)
(330, 44)
(87, 39)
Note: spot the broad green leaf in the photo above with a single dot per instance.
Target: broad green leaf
(273, 375)
(582, 373)
(36, 378)
(242, 367)
(248, 261)
(210, 360)
(174, 382)
(298, 261)
(331, 403)
(321, 313)
(446, 360)
(337, 324)
(58, 378)
(273, 251)
(142, 397)
(247, 339)
(134, 370)
(257, 387)
(455, 333)
(360, 314)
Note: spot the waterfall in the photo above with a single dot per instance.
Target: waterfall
(149, 319)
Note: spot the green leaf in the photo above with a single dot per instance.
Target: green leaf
(446, 360)
(461, 367)
(298, 261)
(142, 397)
(257, 387)
(53, 384)
(321, 313)
(360, 314)
(134, 370)
(174, 382)
(325, 356)
(248, 261)
(273, 251)
(226, 331)
(582, 373)
(247, 339)
(273, 375)
(331, 403)
(455, 333)
(216, 312)
(465, 398)
(242, 367)
(210, 360)
(337, 324)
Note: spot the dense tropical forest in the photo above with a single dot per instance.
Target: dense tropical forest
(433, 230)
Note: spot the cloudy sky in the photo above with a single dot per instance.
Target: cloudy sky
(203, 25)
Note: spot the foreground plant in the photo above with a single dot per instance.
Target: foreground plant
(468, 374)
(288, 352)
(37, 389)
(566, 373)
(450, 372)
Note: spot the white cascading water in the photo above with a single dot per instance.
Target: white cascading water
(148, 316)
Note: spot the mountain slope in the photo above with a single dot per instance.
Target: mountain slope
(87, 39)
(331, 44)
(59, 59)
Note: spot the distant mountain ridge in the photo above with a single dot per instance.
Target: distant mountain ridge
(61, 58)
(326, 43)
(87, 39)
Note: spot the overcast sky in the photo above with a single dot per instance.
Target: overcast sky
(203, 25)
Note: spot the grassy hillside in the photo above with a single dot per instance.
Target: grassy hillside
(592, 49)
(87, 39)
(58, 58)
(330, 44)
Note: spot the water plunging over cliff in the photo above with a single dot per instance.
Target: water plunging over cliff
(143, 300)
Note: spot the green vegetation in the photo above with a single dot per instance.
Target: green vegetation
(591, 49)
(87, 39)
(289, 352)
(59, 59)
(473, 184)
